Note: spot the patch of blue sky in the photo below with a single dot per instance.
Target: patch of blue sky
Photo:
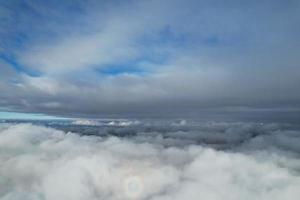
(10, 59)
(27, 116)
(212, 40)
(169, 37)
(117, 69)
(166, 36)
(24, 21)
(221, 40)
(135, 66)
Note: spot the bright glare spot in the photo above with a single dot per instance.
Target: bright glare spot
(133, 186)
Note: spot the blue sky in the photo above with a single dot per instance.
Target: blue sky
(29, 116)
(91, 58)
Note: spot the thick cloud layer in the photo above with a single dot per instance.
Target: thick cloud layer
(44, 163)
(91, 58)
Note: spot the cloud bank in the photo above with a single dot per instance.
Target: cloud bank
(148, 57)
(45, 163)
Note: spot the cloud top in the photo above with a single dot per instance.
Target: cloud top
(44, 163)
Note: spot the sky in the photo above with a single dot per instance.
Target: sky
(148, 58)
(27, 116)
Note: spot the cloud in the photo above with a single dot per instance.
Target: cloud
(192, 56)
(116, 34)
(44, 163)
(174, 90)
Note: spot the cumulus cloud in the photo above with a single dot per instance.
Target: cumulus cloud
(86, 122)
(117, 122)
(44, 163)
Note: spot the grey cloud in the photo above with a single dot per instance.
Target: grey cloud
(176, 90)
(233, 55)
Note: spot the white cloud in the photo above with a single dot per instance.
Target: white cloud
(109, 36)
(77, 52)
(86, 122)
(43, 163)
